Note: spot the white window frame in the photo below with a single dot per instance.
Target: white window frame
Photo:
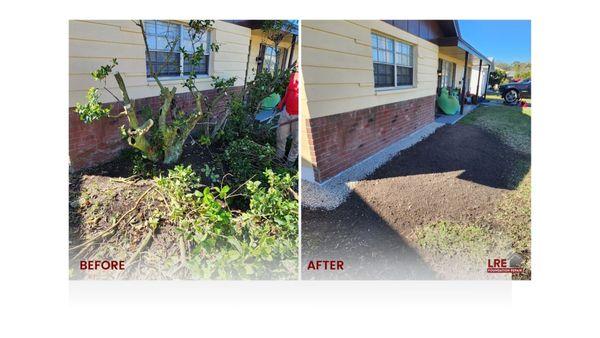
(182, 31)
(395, 63)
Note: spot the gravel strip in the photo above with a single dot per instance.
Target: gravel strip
(333, 192)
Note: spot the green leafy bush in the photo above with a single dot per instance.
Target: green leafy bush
(265, 83)
(246, 158)
(260, 243)
(93, 109)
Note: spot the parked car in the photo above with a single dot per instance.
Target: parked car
(513, 91)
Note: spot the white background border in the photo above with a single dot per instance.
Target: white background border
(38, 300)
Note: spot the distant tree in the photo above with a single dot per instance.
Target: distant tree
(497, 76)
(521, 70)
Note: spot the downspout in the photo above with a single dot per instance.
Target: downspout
(464, 85)
(478, 78)
(248, 62)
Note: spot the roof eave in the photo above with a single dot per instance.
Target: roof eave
(462, 44)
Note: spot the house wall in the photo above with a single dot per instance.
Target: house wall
(95, 43)
(346, 120)
(482, 81)
(460, 67)
(257, 38)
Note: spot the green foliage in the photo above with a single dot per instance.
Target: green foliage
(258, 244)
(497, 77)
(141, 166)
(274, 206)
(163, 133)
(276, 31)
(93, 109)
(204, 140)
(102, 72)
(220, 83)
(210, 173)
(265, 83)
(240, 124)
(522, 70)
(246, 158)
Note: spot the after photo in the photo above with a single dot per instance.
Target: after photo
(416, 149)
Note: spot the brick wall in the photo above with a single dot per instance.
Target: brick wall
(339, 141)
(99, 142)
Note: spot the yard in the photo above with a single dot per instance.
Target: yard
(438, 210)
(227, 208)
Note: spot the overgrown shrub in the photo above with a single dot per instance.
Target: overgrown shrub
(260, 243)
(246, 159)
(266, 83)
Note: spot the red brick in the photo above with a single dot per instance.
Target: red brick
(99, 142)
(341, 140)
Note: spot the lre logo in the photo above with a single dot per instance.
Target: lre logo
(512, 264)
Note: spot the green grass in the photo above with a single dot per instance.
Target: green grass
(512, 124)
(498, 98)
(508, 228)
(451, 240)
(512, 223)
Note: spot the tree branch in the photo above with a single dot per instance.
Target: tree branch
(140, 24)
(127, 104)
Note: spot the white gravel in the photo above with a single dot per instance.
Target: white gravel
(333, 192)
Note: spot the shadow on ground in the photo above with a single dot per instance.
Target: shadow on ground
(457, 174)
(480, 156)
(355, 234)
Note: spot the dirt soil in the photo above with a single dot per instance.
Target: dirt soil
(457, 174)
(101, 195)
(192, 154)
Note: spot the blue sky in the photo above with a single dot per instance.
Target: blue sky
(505, 40)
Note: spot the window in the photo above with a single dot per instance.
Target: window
(448, 70)
(269, 58)
(164, 37)
(392, 62)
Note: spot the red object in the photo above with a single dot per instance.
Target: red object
(290, 99)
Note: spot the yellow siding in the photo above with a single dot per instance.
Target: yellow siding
(95, 43)
(338, 69)
(460, 68)
(305, 154)
(256, 39)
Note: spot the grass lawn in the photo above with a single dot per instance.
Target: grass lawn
(497, 97)
(508, 229)
(511, 123)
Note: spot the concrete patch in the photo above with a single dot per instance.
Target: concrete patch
(333, 192)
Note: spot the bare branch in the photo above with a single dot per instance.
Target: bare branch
(140, 24)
